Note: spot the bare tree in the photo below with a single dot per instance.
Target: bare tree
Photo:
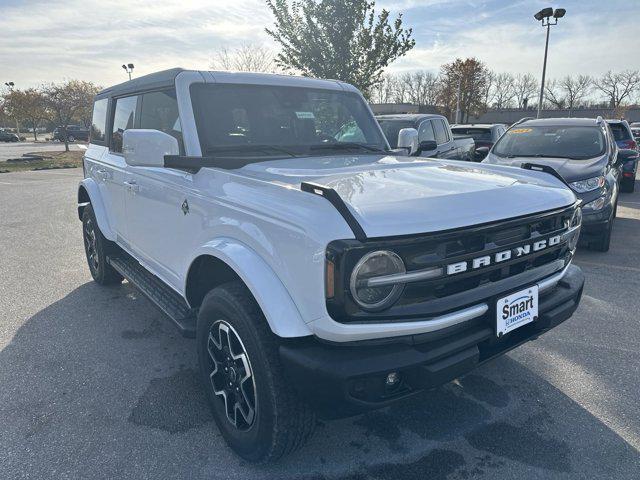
(576, 89)
(245, 58)
(422, 88)
(489, 87)
(67, 100)
(618, 86)
(503, 90)
(554, 95)
(401, 85)
(382, 92)
(525, 86)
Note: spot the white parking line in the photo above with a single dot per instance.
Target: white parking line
(82, 147)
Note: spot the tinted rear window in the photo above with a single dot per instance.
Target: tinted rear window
(478, 134)
(562, 142)
(620, 132)
(391, 128)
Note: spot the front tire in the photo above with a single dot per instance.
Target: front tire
(604, 242)
(256, 409)
(97, 247)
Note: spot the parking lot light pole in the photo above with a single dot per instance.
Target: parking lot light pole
(544, 16)
(10, 86)
(128, 68)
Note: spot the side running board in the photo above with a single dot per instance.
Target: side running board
(336, 200)
(165, 298)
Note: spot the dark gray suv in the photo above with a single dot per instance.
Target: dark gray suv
(584, 153)
(8, 136)
(74, 132)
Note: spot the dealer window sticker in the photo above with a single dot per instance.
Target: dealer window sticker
(520, 130)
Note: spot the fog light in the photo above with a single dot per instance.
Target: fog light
(392, 379)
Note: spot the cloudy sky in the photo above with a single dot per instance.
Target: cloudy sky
(43, 41)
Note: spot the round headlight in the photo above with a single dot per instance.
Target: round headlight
(574, 229)
(376, 264)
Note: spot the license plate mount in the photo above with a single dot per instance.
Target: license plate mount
(516, 310)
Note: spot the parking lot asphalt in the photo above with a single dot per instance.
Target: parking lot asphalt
(16, 150)
(95, 383)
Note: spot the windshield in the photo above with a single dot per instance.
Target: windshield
(559, 141)
(391, 128)
(478, 134)
(265, 120)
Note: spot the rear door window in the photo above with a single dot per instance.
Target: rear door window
(124, 117)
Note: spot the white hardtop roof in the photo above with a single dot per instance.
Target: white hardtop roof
(166, 78)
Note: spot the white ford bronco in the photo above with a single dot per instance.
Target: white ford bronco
(319, 271)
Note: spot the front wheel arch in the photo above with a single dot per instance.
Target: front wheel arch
(226, 259)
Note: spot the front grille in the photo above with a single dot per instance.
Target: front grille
(429, 298)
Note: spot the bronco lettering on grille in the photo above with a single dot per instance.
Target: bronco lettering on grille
(502, 256)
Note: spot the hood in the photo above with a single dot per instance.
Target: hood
(392, 196)
(570, 170)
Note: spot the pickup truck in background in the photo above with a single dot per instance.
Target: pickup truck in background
(426, 135)
(484, 134)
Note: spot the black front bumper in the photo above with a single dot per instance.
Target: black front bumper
(343, 380)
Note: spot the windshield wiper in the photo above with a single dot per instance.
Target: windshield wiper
(541, 155)
(248, 148)
(346, 146)
(535, 155)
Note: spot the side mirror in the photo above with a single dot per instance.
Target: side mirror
(427, 146)
(147, 148)
(482, 152)
(408, 139)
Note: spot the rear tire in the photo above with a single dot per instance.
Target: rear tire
(97, 248)
(71, 139)
(264, 418)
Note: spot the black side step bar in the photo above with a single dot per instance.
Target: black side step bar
(545, 169)
(165, 298)
(336, 200)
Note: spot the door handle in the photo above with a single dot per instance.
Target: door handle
(132, 186)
